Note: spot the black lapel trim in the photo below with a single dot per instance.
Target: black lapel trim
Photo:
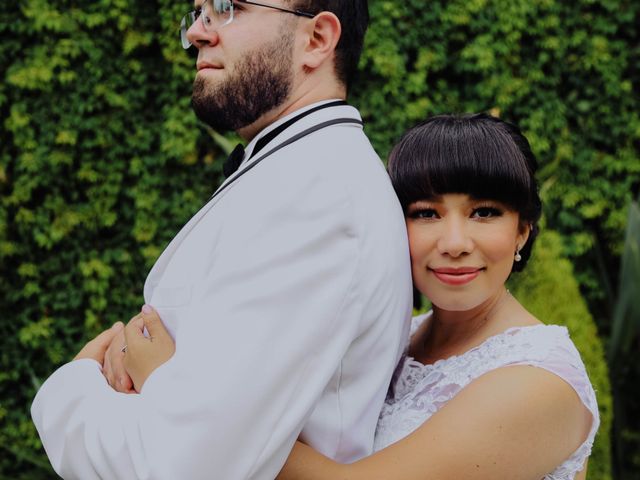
(289, 141)
(261, 143)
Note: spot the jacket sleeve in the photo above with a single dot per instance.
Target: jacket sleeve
(263, 332)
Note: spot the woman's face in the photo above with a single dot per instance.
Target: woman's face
(462, 249)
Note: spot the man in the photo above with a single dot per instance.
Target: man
(288, 293)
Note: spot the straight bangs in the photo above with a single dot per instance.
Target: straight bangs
(461, 155)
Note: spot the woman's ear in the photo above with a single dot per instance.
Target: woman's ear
(322, 36)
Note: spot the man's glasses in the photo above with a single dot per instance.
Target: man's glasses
(215, 14)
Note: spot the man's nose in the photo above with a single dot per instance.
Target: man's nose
(199, 37)
(454, 238)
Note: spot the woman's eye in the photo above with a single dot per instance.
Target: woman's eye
(427, 213)
(486, 212)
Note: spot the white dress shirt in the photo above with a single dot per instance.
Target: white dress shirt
(289, 298)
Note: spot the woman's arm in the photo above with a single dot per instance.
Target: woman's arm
(516, 422)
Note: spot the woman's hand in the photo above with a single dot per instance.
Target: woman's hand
(96, 348)
(113, 367)
(144, 354)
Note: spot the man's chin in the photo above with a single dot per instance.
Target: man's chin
(209, 72)
(217, 118)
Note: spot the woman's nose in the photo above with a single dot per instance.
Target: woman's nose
(454, 238)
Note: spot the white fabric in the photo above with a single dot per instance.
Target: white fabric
(289, 297)
(418, 391)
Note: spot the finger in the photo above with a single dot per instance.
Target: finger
(107, 369)
(124, 384)
(134, 331)
(117, 327)
(104, 338)
(121, 380)
(137, 322)
(117, 375)
(135, 342)
(110, 356)
(154, 324)
(97, 347)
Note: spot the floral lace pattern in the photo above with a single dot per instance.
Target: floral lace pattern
(418, 391)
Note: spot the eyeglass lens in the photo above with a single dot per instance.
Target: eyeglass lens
(220, 15)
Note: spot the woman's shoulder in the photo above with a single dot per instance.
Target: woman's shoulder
(550, 349)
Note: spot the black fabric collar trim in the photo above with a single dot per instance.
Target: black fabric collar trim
(261, 143)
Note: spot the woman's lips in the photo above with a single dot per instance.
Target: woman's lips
(456, 276)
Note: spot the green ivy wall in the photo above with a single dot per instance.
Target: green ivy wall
(102, 160)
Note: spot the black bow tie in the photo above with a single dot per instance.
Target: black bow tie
(232, 163)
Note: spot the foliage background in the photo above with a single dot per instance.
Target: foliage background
(102, 160)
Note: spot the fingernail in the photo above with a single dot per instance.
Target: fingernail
(121, 381)
(115, 324)
(146, 309)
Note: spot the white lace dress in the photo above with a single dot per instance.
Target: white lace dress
(418, 391)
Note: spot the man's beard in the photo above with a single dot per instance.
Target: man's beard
(260, 82)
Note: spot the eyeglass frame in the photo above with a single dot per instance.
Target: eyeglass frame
(197, 14)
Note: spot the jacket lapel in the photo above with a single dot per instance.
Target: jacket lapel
(156, 272)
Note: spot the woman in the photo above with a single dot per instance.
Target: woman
(454, 409)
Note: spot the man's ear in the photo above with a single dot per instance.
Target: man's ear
(321, 38)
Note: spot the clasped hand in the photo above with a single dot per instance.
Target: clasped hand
(126, 369)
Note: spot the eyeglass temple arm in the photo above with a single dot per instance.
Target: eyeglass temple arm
(300, 13)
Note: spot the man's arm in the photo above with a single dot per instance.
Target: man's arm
(256, 346)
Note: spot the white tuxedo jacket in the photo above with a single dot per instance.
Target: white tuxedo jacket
(289, 298)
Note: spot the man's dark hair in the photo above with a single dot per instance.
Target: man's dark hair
(478, 155)
(354, 19)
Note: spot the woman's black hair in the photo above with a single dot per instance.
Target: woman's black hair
(478, 155)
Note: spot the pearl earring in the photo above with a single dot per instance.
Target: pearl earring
(517, 257)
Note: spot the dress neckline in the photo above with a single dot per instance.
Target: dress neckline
(489, 340)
